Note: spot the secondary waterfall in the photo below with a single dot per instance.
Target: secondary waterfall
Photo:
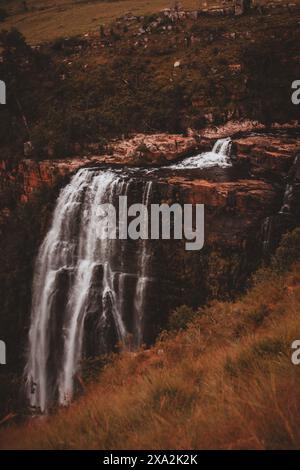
(277, 224)
(81, 278)
(139, 300)
(218, 156)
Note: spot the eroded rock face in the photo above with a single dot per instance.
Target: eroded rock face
(233, 210)
(262, 155)
(242, 203)
(267, 155)
(141, 150)
(154, 149)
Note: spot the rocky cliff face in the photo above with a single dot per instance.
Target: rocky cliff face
(237, 202)
(235, 208)
(19, 182)
(267, 155)
(232, 208)
(262, 155)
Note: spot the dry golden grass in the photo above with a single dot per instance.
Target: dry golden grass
(48, 19)
(226, 382)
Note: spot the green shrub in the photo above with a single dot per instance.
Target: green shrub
(180, 317)
(258, 315)
(288, 251)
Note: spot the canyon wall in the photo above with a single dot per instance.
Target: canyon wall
(237, 202)
(263, 155)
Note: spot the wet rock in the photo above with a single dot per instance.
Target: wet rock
(232, 209)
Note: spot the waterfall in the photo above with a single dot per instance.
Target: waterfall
(266, 235)
(222, 147)
(143, 271)
(82, 276)
(276, 225)
(218, 156)
(292, 188)
(287, 199)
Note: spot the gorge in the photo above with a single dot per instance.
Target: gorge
(92, 293)
(149, 225)
(92, 297)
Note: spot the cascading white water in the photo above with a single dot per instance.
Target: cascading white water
(82, 277)
(275, 225)
(79, 273)
(218, 156)
(143, 268)
(222, 146)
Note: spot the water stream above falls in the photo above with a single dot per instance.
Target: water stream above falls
(219, 157)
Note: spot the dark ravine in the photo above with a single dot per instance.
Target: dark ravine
(160, 275)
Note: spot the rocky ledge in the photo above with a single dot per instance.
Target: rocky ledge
(263, 155)
(233, 210)
(267, 155)
(141, 150)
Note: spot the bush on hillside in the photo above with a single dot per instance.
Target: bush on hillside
(288, 251)
(180, 318)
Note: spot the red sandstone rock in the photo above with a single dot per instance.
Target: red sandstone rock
(267, 153)
(262, 154)
(232, 209)
(144, 150)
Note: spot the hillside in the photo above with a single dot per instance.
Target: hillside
(46, 20)
(156, 346)
(71, 97)
(222, 378)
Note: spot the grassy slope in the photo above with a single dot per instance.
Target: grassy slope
(47, 20)
(133, 86)
(50, 19)
(227, 381)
